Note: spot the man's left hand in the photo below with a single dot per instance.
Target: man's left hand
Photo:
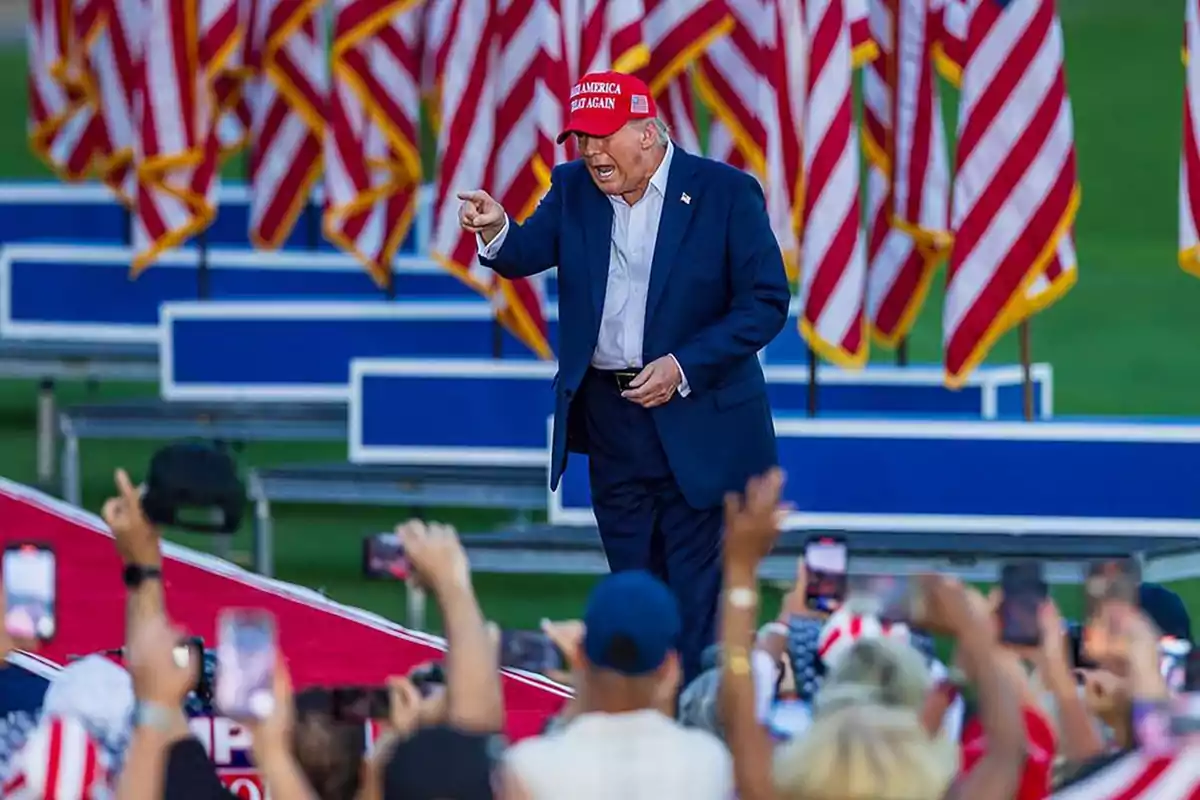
(655, 384)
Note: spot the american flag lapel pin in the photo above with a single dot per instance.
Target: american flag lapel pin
(686, 198)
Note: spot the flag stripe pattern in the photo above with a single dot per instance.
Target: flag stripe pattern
(372, 167)
(286, 106)
(188, 83)
(907, 170)
(833, 258)
(1015, 191)
(1189, 163)
(1138, 776)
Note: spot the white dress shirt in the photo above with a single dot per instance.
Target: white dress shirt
(640, 755)
(631, 253)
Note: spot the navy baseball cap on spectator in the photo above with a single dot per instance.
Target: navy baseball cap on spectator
(1166, 610)
(631, 624)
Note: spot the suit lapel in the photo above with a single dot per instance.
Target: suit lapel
(676, 214)
(597, 233)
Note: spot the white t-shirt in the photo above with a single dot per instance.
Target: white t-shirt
(640, 755)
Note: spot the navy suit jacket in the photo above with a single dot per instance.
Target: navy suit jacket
(718, 294)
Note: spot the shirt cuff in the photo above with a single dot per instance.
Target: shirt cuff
(492, 249)
(684, 389)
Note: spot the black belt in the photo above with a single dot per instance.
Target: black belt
(621, 378)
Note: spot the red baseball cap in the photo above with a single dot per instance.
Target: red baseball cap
(604, 101)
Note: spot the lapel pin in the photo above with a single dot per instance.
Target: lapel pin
(686, 198)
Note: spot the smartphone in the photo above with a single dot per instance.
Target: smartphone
(30, 591)
(359, 703)
(247, 652)
(896, 598)
(531, 651)
(1114, 580)
(1024, 586)
(383, 557)
(428, 678)
(825, 565)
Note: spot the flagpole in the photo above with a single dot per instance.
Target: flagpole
(1026, 369)
(902, 353)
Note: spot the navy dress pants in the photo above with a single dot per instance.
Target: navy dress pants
(644, 521)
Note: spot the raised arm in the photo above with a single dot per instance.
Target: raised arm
(513, 249)
(759, 306)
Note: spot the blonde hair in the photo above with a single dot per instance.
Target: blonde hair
(864, 752)
(885, 671)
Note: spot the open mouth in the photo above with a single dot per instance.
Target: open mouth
(605, 172)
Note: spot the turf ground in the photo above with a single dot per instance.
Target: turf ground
(1121, 342)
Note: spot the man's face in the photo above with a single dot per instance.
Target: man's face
(622, 162)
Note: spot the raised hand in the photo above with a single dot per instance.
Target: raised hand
(481, 214)
(136, 538)
(752, 520)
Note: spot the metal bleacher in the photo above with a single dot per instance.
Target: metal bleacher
(440, 408)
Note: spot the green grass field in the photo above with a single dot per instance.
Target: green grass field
(1122, 342)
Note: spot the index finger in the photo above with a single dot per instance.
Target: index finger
(126, 487)
(473, 195)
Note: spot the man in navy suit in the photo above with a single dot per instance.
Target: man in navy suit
(670, 281)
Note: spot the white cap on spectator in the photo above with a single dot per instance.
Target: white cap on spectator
(61, 761)
(95, 691)
(845, 627)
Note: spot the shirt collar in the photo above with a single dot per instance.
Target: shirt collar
(658, 181)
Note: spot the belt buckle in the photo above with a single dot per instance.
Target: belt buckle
(624, 377)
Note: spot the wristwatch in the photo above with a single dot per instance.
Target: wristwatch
(152, 715)
(136, 574)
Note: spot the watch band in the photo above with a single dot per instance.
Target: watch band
(152, 715)
(137, 574)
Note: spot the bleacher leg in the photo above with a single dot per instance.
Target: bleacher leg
(47, 424)
(415, 601)
(262, 538)
(72, 486)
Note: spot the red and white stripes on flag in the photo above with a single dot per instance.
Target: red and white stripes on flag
(372, 163)
(677, 109)
(602, 35)
(833, 266)
(1015, 191)
(189, 78)
(1141, 777)
(907, 169)
(676, 32)
(486, 141)
(286, 100)
(53, 103)
(59, 760)
(1189, 162)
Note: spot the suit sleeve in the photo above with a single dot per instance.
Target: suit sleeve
(759, 305)
(529, 247)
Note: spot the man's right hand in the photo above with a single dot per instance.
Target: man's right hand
(136, 539)
(481, 214)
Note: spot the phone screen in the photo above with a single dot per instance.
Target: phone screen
(30, 591)
(825, 565)
(246, 657)
(531, 651)
(383, 557)
(1173, 655)
(359, 703)
(1024, 588)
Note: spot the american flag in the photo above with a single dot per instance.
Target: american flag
(286, 101)
(833, 267)
(1137, 776)
(1189, 162)
(907, 169)
(1015, 190)
(677, 109)
(189, 84)
(372, 166)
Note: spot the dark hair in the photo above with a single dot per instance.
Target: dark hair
(622, 653)
(329, 753)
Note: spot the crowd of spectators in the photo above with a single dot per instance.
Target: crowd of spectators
(809, 706)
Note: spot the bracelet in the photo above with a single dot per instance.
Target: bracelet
(737, 660)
